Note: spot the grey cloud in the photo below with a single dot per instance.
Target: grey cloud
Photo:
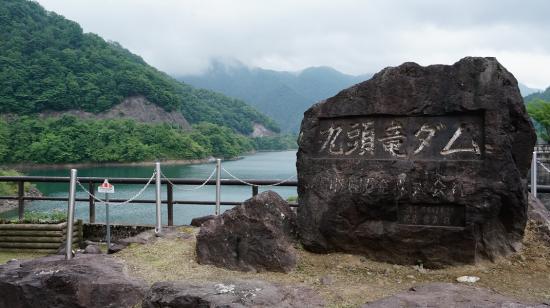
(354, 36)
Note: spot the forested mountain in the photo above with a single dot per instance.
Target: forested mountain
(525, 90)
(545, 96)
(284, 96)
(48, 63)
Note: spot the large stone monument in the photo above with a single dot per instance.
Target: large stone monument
(418, 164)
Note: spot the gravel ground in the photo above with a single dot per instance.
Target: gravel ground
(345, 280)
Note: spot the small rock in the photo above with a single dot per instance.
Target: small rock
(467, 279)
(326, 280)
(420, 268)
(198, 221)
(410, 276)
(92, 249)
(116, 247)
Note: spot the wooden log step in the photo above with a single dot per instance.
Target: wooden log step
(31, 239)
(28, 250)
(54, 227)
(31, 233)
(31, 245)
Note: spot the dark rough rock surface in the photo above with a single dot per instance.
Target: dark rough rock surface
(92, 249)
(540, 216)
(97, 232)
(449, 295)
(116, 247)
(198, 221)
(254, 236)
(417, 164)
(85, 281)
(250, 293)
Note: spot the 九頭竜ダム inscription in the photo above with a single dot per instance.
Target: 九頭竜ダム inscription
(387, 137)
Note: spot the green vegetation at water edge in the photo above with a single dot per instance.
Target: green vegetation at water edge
(48, 63)
(275, 143)
(10, 188)
(71, 140)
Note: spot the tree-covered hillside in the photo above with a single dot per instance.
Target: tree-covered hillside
(48, 63)
(71, 140)
(284, 96)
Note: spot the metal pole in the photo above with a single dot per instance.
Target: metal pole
(218, 185)
(158, 228)
(70, 216)
(20, 200)
(91, 202)
(107, 222)
(534, 175)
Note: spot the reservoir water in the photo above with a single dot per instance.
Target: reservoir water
(263, 165)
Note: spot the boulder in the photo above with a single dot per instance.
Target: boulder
(254, 236)
(418, 164)
(448, 295)
(84, 281)
(249, 293)
(198, 221)
(92, 249)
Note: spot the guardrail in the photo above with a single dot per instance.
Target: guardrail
(169, 182)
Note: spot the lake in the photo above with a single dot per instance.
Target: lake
(262, 165)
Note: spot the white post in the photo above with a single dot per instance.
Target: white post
(218, 185)
(534, 175)
(158, 228)
(107, 221)
(70, 216)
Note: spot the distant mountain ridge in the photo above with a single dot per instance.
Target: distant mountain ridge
(544, 95)
(283, 96)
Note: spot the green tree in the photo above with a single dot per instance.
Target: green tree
(539, 110)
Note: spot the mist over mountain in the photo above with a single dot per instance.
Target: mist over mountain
(525, 90)
(284, 96)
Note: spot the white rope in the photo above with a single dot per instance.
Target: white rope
(178, 187)
(256, 185)
(543, 166)
(121, 203)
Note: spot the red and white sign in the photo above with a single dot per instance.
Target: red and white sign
(106, 188)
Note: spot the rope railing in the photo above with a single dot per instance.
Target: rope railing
(257, 185)
(546, 168)
(179, 187)
(137, 195)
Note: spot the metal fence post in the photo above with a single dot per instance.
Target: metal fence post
(534, 175)
(70, 216)
(218, 185)
(21, 200)
(170, 203)
(91, 200)
(107, 222)
(158, 228)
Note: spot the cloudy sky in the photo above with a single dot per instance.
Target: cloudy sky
(353, 36)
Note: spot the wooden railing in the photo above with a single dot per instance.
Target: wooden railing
(91, 183)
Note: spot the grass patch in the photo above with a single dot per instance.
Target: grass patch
(36, 217)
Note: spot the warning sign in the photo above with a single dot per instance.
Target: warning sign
(106, 188)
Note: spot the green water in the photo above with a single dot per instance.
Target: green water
(264, 165)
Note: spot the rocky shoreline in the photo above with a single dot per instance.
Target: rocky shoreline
(8, 205)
